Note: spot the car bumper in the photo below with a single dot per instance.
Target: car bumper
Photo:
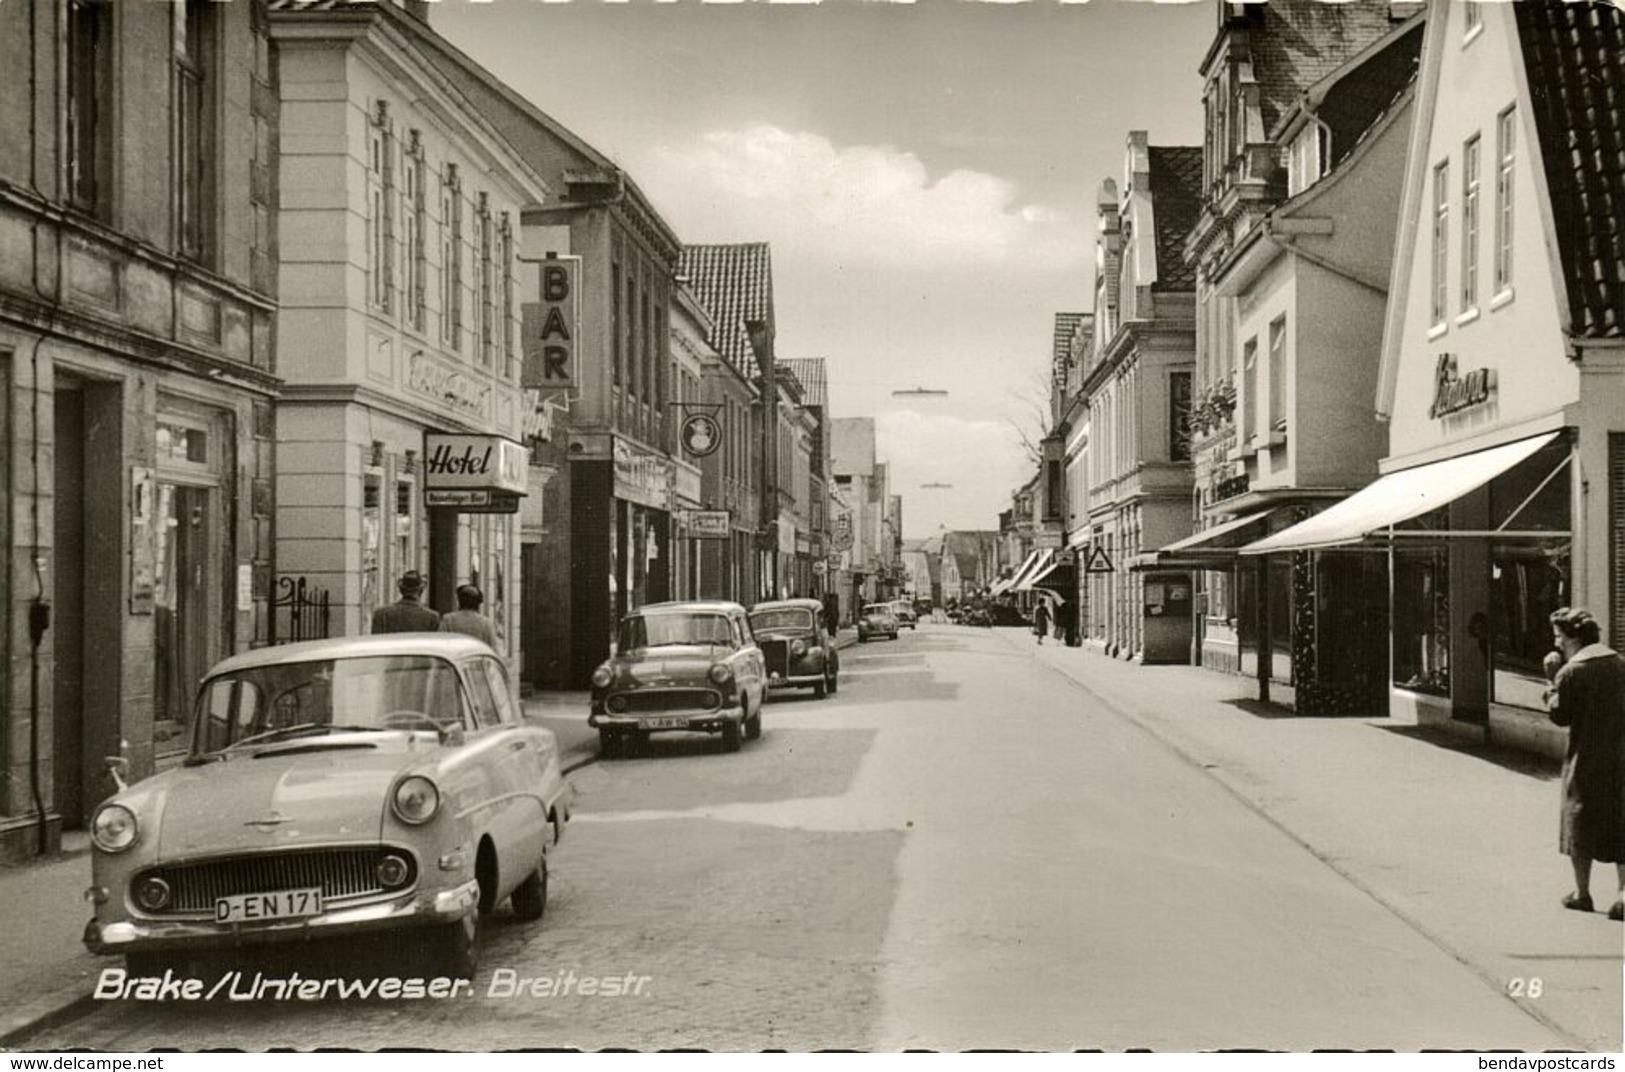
(702, 722)
(796, 681)
(420, 908)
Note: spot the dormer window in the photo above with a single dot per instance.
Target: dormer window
(1310, 153)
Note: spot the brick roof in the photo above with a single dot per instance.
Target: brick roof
(1575, 56)
(1296, 43)
(809, 372)
(1066, 325)
(1176, 201)
(734, 283)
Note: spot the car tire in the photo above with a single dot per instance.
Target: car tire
(454, 947)
(834, 682)
(731, 734)
(753, 725)
(529, 898)
(820, 689)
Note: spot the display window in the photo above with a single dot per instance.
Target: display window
(1421, 615)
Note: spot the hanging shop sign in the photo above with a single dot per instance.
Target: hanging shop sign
(701, 434)
(1453, 392)
(551, 317)
(474, 462)
(707, 524)
(472, 501)
(539, 413)
(642, 477)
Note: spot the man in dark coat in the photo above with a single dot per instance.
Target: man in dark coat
(1588, 696)
(832, 612)
(406, 615)
(1041, 620)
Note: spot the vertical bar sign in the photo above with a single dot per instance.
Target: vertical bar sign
(551, 309)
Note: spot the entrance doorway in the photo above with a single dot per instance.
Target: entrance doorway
(186, 618)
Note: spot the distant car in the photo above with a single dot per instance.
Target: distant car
(691, 667)
(362, 784)
(799, 652)
(877, 620)
(905, 613)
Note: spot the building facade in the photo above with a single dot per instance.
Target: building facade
(138, 189)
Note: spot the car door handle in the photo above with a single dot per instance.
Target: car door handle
(516, 746)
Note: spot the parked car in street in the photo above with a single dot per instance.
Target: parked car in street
(904, 609)
(877, 620)
(334, 787)
(798, 650)
(680, 667)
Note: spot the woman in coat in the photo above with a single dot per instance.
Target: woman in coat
(1041, 620)
(1588, 696)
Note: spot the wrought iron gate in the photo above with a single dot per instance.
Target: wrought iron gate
(301, 608)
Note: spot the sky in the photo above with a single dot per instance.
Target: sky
(925, 175)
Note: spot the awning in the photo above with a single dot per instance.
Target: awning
(1059, 576)
(1400, 496)
(1214, 546)
(1037, 566)
(1015, 578)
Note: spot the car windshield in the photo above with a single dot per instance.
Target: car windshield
(267, 703)
(877, 610)
(782, 620)
(660, 630)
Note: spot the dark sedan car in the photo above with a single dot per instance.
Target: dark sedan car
(798, 651)
(680, 666)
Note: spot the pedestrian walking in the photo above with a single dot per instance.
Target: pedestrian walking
(1041, 620)
(467, 619)
(1588, 696)
(832, 612)
(407, 614)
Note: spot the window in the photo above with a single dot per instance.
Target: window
(1441, 239)
(1469, 220)
(505, 295)
(615, 321)
(194, 30)
(451, 258)
(1421, 613)
(380, 210)
(89, 134)
(1249, 390)
(1311, 152)
(1506, 133)
(1277, 375)
(413, 216)
(485, 287)
(405, 554)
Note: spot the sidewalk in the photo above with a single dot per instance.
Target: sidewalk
(44, 970)
(1459, 841)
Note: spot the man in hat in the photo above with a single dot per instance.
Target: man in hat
(467, 619)
(407, 614)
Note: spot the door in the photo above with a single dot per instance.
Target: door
(66, 635)
(186, 607)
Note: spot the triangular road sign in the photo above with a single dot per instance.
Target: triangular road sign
(1098, 561)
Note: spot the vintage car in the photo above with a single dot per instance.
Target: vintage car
(332, 788)
(904, 609)
(877, 620)
(680, 667)
(798, 651)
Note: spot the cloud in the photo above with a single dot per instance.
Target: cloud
(859, 205)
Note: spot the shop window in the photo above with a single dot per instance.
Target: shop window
(1527, 583)
(405, 546)
(371, 542)
(1422, 620)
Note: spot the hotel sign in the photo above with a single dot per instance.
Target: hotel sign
(1453, 392)
(474, 462)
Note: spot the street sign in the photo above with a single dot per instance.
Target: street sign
(1098, 561)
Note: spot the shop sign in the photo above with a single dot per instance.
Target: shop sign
(707, 524)
(841, 539)
(642, 477)
(473, 501)
(787, 536)
(446, 384)
(491, 463)
(551, 315)
(540, 414)
(701, 434)
(1453, 392)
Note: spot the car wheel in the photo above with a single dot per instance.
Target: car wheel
(731, 735)
(455, 947)
(820, 689)
(753, 726)
(529, 898)
(834, 682)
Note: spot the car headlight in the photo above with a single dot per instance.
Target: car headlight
(415, 801)
(114, 829)
(798, 648)
(601, 677)
(720, 674)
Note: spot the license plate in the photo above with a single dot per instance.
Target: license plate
(283, 904)
(662, 723)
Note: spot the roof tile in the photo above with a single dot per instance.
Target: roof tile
(734, 283)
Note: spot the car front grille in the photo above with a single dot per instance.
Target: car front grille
(341, 875)
(663, 700)
(776, 653)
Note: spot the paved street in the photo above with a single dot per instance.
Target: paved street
(966, 848)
